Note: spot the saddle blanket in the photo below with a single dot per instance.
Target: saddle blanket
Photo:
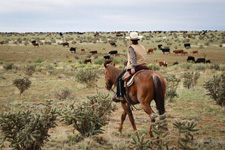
(131, 80)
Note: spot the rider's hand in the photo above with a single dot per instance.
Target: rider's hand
(132, 70)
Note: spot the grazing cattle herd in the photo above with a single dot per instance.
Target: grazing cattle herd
(108, 55)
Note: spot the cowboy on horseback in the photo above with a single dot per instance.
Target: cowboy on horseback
(136, 61)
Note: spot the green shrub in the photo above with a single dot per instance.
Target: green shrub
(139, 143)
(89, 117)
(215, 66)
(201, 46)
(30, 69)
(186, 65)
(171, 86)
(70, 61)
(154, 67)
(159, 128)
(38, 61)
(99, 62)
(87, 76)
(190, 79)
(22, 84)
(25, 130)
(8, 66)
(216, 89)
(186, 132)
(201, 67)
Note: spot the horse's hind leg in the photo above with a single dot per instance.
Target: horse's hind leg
(123, 117)
(127, 109)
(149, 111)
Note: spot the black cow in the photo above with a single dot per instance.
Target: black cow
(165, 50)
(73, 49)
(159, 46)
(187, 45)
(61, 34)
(33, 42)
(107, 57)
(113, 52)
(175, 63)
(208, 61)
(200, 60)
(113, 44)
(191, 58)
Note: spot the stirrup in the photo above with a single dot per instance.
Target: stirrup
(118, 99)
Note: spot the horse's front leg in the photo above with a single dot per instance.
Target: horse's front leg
(123, 117)
(127, 109)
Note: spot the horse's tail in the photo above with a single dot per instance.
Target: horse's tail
(158, 94)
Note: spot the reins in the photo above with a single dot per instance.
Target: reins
(127, 99)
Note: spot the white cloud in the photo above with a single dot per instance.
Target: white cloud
(110, 15)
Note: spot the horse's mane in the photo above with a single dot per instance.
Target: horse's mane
(114, 72)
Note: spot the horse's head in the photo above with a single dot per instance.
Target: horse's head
(108, 77)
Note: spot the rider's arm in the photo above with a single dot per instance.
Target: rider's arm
(133, 57)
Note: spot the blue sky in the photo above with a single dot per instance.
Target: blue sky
(110, 15)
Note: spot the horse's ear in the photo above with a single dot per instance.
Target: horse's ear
(114, 64)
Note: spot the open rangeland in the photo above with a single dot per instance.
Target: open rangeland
(56, 69)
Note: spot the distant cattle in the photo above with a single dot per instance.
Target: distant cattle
(2, 42)
(175, 63)
(87, 60)
(208, 61)
(117, 54)
(107, 57)
(35, 44)
(96, 34)
(187, 45)
(113, 44)
(184, 53)
(61, 34)
(178, 51)
(163, 63)
(200, 60)
(119, 34)
(191, 58)
(82, 50)
(33, 41)
(165, 50)
(73, 49)
(194, 52)
(159, 46)
(113, 52)
(65, 44)
(150, 50)
(93, 52)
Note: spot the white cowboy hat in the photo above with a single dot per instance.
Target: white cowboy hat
(134, 36)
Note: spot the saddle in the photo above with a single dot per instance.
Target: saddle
(129, 78)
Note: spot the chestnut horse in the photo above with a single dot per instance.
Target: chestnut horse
(148, 85)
